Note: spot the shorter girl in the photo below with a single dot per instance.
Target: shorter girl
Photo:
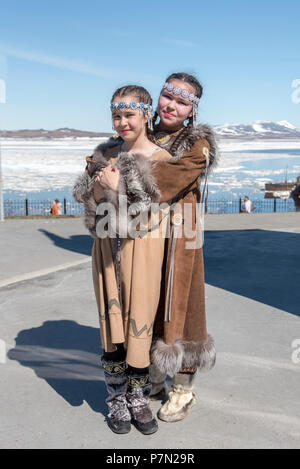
(126, 272)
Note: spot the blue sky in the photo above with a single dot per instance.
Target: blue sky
(62, 60)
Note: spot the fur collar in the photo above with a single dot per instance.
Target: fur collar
(201, 131)
(113, 141)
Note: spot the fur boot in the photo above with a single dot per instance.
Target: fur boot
(181, 399)
(160, 388)
(138, 393)
(119, 417)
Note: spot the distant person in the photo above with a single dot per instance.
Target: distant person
(59, 207)
(56, 207)
(247, 206)
(295, 194)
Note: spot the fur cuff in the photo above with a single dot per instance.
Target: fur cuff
(183, 354)
(83, 188)
(83, 193)
(201, 355)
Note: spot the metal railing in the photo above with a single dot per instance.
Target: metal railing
(27, 207)
(260, 206)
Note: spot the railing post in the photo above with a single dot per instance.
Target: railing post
(65, 206)
(26, 208)
(240, 205)
(275, 203)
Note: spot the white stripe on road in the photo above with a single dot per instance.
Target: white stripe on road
(41, 273)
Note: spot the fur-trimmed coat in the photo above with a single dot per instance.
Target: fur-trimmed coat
(181, 340)
(127, 292)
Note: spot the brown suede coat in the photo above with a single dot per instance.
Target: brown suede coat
(182, 342)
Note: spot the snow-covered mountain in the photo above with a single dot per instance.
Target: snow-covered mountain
(258, 129)
(255, 130)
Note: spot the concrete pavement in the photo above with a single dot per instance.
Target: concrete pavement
(52, 389)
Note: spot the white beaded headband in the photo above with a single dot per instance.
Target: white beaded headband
(177, 91)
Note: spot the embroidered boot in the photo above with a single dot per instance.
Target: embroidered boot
(160, 388)
(181, 399)
(119, 417)
(138, 393)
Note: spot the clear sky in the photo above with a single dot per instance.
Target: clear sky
(62, 60)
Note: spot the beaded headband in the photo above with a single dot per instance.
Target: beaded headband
(146, 108)
(177, 91)
(133, 105)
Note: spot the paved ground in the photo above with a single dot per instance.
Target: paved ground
(52, 390)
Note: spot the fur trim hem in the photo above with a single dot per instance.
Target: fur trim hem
(167, 358)
(183, 354)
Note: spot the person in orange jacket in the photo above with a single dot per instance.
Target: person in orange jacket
(55, 210)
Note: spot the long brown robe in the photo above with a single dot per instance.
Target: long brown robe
(181, 341)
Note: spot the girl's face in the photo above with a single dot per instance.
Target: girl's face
(129, 123)
(174, 110)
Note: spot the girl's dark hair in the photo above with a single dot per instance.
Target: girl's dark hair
(191, 80)
(142, 95)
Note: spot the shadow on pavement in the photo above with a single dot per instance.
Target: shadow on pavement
(258, 264)
(67, 356)
(81, 244)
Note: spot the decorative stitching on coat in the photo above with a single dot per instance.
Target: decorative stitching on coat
(144, 328)
(112, 303)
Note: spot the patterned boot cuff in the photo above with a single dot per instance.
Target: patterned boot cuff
(138, 381)
(113, 368)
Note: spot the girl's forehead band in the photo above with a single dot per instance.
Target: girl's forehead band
(133, 105)
(177, 91)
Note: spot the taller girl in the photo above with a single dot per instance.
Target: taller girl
(182, 345)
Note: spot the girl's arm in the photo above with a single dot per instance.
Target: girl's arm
(83, 187)
(83, 192)
(175, 176)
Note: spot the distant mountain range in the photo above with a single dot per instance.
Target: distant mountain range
(258, 129)
(48, 134)
(255, 130)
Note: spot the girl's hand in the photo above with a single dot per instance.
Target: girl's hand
(98, 189)
(110, 178)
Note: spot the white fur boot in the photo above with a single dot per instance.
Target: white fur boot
(181, 399)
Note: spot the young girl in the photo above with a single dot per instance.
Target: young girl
(182, 345)
(126, 271)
